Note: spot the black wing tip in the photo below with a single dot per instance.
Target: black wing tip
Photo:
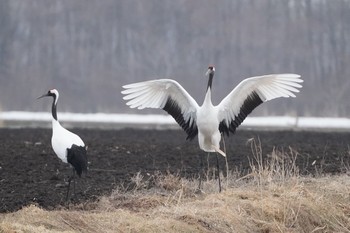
(173, 109)
(192, 134)
(77, 157)
(252, 101)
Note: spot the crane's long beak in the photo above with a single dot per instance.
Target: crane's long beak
(208, 72)
(42, 96)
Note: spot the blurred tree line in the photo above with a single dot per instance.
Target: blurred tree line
(88, 49)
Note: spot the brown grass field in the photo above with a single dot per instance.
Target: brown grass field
(274, 196)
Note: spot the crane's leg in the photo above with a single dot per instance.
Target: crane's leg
(68, 187)
(200, 173)
(74, 181)
(69, 181)
(218, 170)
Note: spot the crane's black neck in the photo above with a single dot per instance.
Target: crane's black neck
(210, 80)
(54, 107)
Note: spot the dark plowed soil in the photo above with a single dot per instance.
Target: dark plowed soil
(31, 172)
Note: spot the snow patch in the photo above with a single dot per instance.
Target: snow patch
(152, 119)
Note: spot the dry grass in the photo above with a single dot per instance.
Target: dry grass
(272, 198)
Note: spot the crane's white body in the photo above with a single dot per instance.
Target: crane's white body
(62, 139)
(207, 122)
(169, 95)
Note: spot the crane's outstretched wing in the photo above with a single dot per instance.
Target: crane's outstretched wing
(250, 93)
(165, 94)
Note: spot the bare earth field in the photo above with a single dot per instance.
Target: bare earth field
(30, 173)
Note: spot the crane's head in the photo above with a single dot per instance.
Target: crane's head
(52, 92)
(210, 71)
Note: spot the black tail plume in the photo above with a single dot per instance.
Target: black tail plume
(77, 157)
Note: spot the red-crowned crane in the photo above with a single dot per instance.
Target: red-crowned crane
(68, 146)
(209, 121)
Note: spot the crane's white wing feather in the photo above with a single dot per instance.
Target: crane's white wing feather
(168, 95)
(62, 139)
(250, 93)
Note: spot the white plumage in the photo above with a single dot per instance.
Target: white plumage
(68, 146)
(62, 139)
(207, 120)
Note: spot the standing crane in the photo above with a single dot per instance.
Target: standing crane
(68, 146)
